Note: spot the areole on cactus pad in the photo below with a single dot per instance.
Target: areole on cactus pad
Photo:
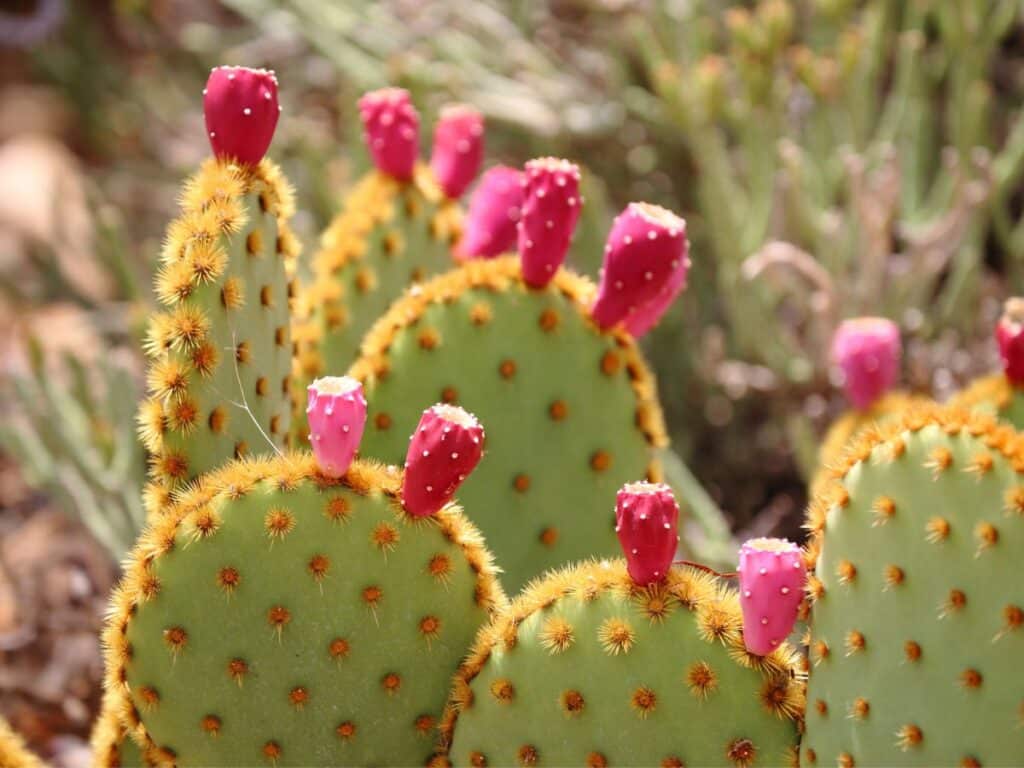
(483, 337)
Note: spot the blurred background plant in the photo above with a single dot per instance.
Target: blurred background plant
(832, 157)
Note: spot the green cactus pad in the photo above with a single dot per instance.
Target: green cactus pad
(221, 353)
(389, 235)
(918, 618)
(994, 395)
(586, 668)
(277, 617)
(570, 411)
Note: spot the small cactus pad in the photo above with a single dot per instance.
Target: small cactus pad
(917, 622)
(588, 668)
(220, 351)
(13, 752)
(388, 235)
(558, 445)
(276, 616)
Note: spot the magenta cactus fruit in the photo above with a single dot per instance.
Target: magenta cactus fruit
(443, 451)
(1010, 337)
(241, 111)
(458, 148)
(645, 251)
(494, 211)
(867, 351)
(647, 524)
(551, 208)
(392, 131)
(336, 411)
(772, 576)
(649, 315)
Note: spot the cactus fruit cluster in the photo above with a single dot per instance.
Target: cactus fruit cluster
(491, 335)
(591, 666)
(397, 227)
(917, 624)
(1001, 393)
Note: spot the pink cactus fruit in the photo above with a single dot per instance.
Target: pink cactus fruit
(647, 524)
(1010, 337)
(551, 208)
(867, 351)
(458, 148)
(646, 248)
(772, 579)
(443, 451)
(336, 410)
(649, 315)
(241, 109)
(392, 131)
(494, 211)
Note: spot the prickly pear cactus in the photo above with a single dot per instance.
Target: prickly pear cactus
(278, 616)
(917, 625)
(397, 227)
(558, 444)
(570, 406)
(220, 352)
(588, 668)
(13, 752)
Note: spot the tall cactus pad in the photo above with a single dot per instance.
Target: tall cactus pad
(918, 617)
(389, 234)
(587, 668)
(220, 353)
(558, 445)
(276, 616)
(13, 752)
